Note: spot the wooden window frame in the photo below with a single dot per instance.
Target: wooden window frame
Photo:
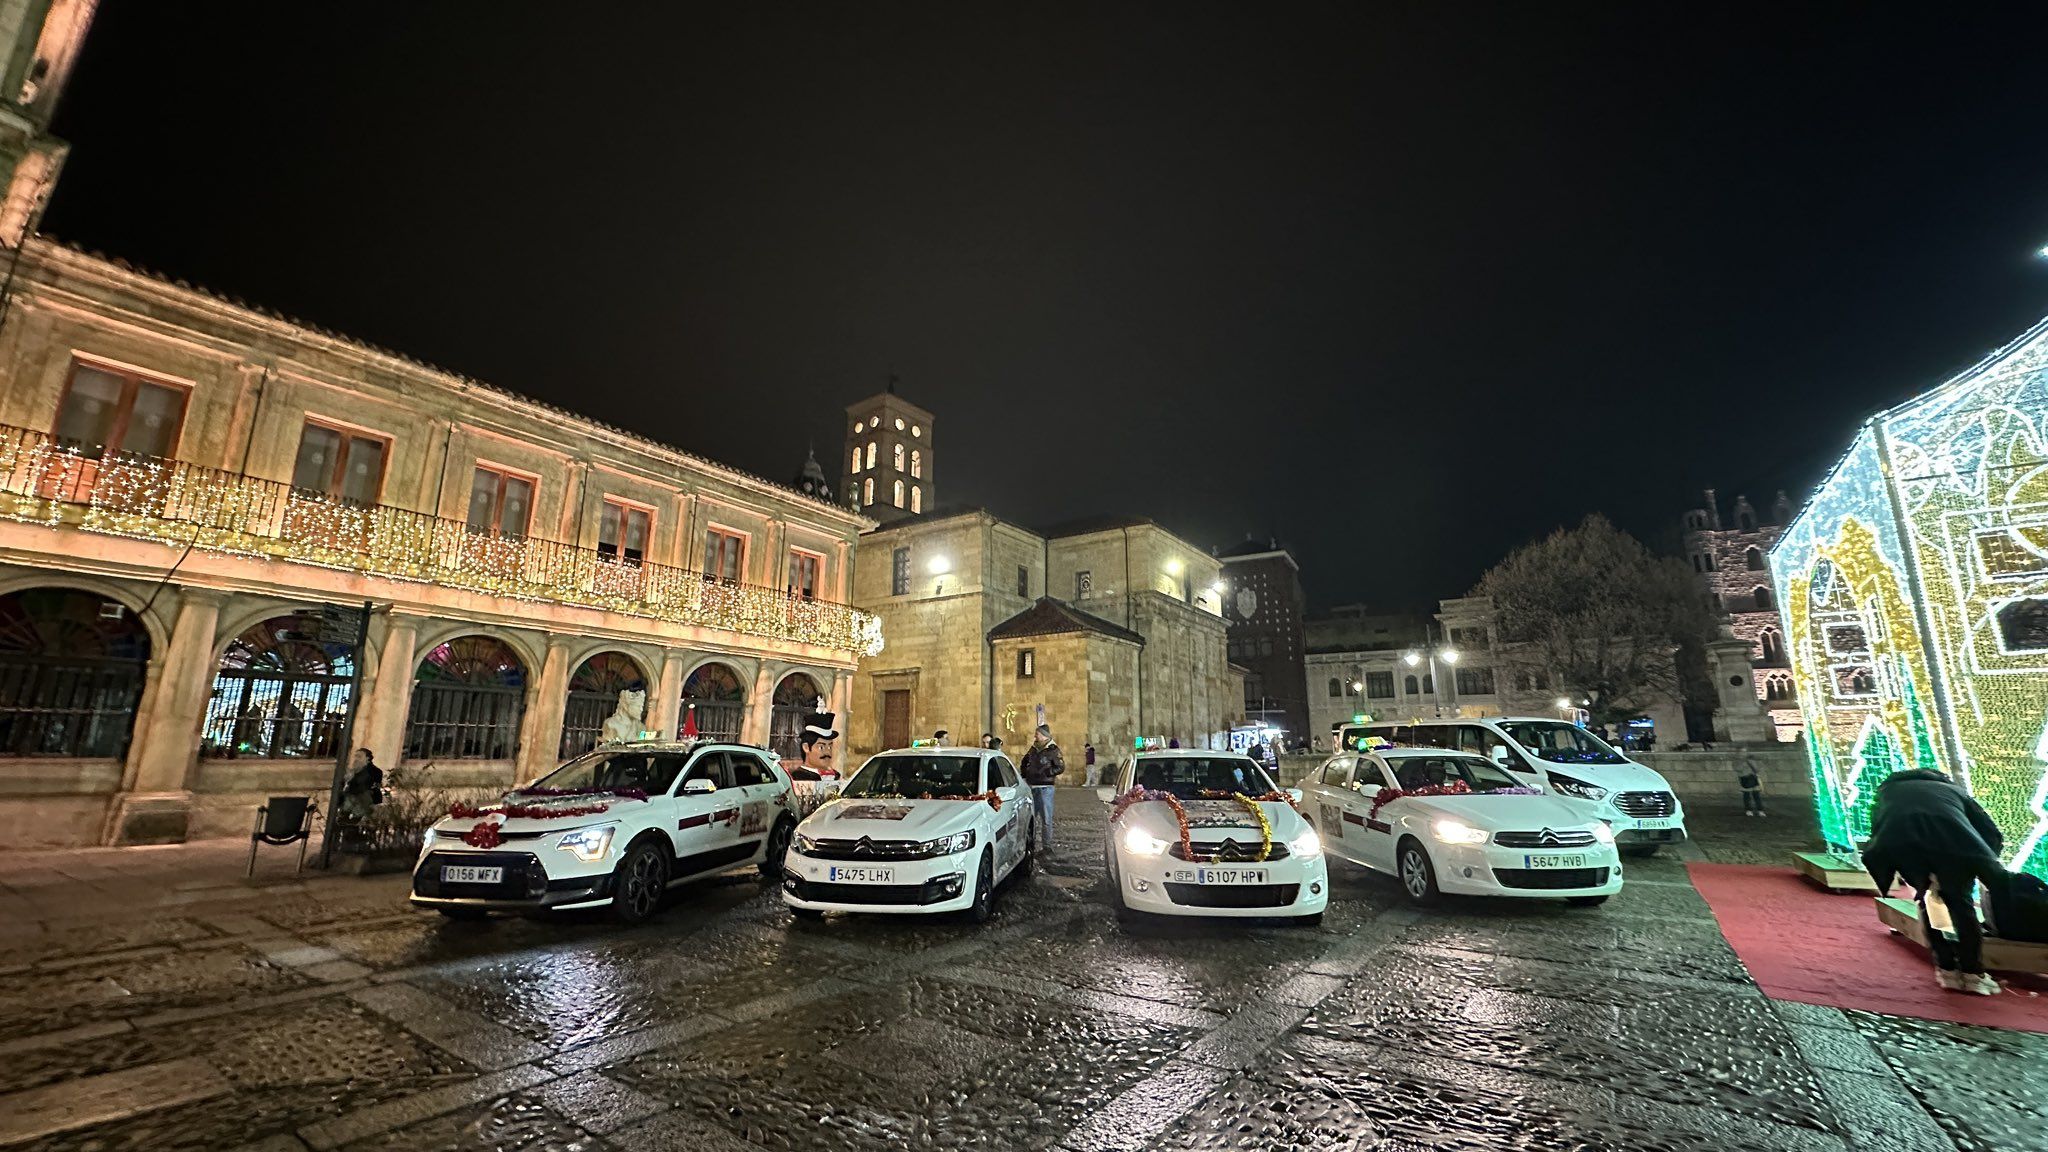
(1027, 663)
(746, 540)
(504, 473)
(131, 381)
(818, 558)
(626, 505)
(346, 431)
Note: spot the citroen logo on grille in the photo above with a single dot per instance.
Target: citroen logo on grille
(1229, 850)
(1548, 838)
(864, 846)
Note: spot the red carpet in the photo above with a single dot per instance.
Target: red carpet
(1801, 944)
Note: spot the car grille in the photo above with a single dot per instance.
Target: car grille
(928, 892)
(864, 850)
(1551, 877)
(525, 879)
(1570, 838)
(1233, 895)
(1228, 849)
(1642, 804)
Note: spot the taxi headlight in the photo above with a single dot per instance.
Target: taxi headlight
(1458, 832)
(1603, 833)
(1577, 789)
(1306, 844)
(948, 845)
(588, 844)
(1139, 842)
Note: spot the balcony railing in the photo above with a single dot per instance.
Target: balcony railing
(43, 481)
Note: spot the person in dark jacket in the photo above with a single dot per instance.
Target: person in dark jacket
(1926, 830)
(1043, 763)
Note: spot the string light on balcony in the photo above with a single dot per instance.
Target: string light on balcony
(181, 504)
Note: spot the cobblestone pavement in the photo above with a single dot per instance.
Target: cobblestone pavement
(203, 1014)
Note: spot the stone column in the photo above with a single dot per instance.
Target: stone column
(665, 709)
(760, 703)
(547, 701)
(387, 693)
(157, 808)
(841, 704)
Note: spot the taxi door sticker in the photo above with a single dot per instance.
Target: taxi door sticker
(754, 818)
(1332, 818)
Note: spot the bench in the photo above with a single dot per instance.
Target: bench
(1835, 871)
(1903, 918)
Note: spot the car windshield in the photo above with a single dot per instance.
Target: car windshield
(1413, 772)
(1187, 777)
(915, 777)
(650, 772)
(1561, 743)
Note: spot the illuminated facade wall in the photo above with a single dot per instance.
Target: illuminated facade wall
(1915, 594)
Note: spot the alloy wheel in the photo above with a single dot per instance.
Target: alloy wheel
(1414, 873)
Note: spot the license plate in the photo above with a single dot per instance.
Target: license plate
(453, 874)
(838, 875)
(1660, 822)
(1218, 876)
(1575, 860)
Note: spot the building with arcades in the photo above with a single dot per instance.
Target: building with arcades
(187, 484)
(1731, 559)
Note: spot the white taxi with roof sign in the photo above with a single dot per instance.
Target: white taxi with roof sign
(1454, 822)
(916, 830)
(1198, 833)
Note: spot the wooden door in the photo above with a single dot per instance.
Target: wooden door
(896, 718)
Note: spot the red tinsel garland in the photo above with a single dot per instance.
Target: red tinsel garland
(1139, 795)
(1455, 788)
(621, 793)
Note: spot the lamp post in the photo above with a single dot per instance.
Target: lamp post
(1448, 656)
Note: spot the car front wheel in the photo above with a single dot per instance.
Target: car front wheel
(778, 849)
(1418, 875)
(984, 905)
(638, 884)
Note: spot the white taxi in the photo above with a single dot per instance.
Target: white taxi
(926, 829)
(1444, 821)
(611, 828)
(1195, 833)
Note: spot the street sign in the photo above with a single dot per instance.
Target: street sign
(340, 625)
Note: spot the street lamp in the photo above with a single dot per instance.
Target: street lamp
(1564, 706)
(1448, 656)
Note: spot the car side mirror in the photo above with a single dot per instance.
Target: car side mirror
(698, 786)
(1106, 795)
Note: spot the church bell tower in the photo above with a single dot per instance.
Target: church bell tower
(42, 38)
(889, 471)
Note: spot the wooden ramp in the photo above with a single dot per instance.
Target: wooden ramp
(1834, 871)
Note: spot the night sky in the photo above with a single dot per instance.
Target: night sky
(1404, 288)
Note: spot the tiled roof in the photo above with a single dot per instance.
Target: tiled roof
(1050, 617)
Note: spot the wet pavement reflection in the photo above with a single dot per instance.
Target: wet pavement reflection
(338, 1018)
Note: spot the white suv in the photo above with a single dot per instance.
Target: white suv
(614, 827)
(1568, 762)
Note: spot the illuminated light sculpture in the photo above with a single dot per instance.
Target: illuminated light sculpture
(1914, 590)
(186, 505)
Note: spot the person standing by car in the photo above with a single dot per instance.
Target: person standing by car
(1926, 830)
(363, 791)
(1043, 763)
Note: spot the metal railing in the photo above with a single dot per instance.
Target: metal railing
(47, 482)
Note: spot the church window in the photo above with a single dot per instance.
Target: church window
(867, 491)
(916, 465)
(1777, 686)
(896, 455)
(1764, 602)
(1336, 689)
(899, 423)
(1027, 663)
(1024, 581)
(1772, 644)
(1753, 559)
(916, 498)
(916, 430)
(899, 572)
(896, 495)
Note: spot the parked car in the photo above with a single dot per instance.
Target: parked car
(916, 830)
(614, 828)
(1455, 822)
(1565, 760)
(1196, 833)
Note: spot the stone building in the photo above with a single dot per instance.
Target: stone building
(1731, 559)
(184, 483)
(1113, 627)
(195, 495)
(1265, 607)
(890, 472)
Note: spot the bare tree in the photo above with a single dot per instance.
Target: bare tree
(1593, 609)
